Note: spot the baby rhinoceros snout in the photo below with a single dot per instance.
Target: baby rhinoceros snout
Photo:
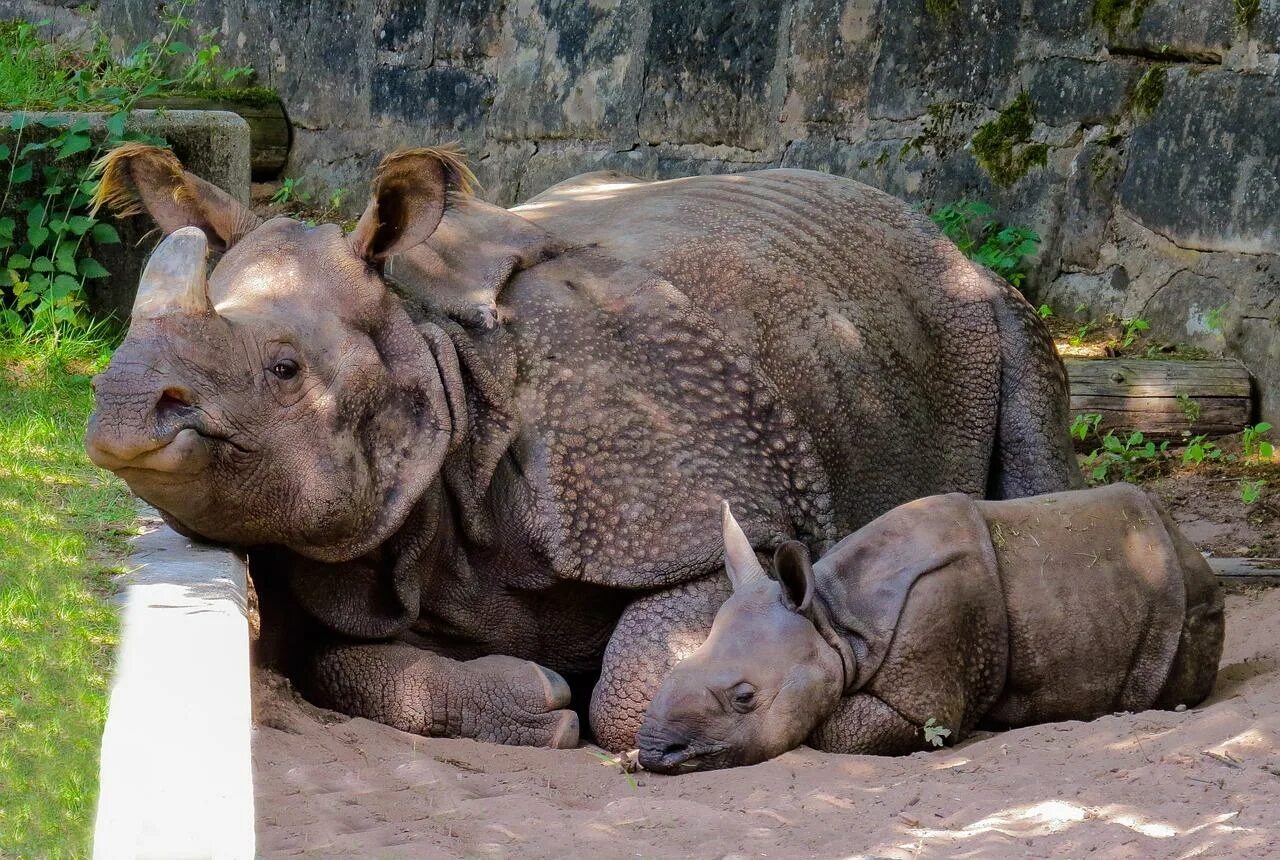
(668, 749)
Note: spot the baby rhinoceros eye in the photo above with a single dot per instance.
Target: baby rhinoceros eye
(743, 697)
(285, 368)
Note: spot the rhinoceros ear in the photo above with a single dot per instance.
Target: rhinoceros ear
(411, 191)
(740, 560)
(137, 177)
(794, 572)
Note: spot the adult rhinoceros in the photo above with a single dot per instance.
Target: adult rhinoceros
(521, 449)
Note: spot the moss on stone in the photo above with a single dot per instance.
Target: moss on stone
(942, 10)
(255, 96)
(1002, 146)
(1246, 11)
(1149, 90)
(1117, 15)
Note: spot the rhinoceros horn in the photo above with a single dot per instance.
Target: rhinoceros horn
(174, 281)
(739, 558)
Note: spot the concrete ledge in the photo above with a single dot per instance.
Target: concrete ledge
(176, 776)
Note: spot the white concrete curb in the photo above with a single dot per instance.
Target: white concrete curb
(176, 777)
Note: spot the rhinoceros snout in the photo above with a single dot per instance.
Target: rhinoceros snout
(156, 430)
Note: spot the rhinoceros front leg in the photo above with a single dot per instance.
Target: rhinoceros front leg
(497, 699)
(862, 724)
(654, 633)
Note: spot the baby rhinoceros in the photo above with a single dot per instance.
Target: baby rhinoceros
(942, 613)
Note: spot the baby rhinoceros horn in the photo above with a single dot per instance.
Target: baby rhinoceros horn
(175, 279)
(740, 560)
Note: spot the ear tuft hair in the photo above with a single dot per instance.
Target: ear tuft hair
(116, 190)
(459, 180)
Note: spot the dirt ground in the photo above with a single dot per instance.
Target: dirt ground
(1202, 783)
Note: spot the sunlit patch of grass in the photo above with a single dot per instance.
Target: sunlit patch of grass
(62, 529)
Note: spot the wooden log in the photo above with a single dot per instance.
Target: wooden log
(1162, 398)
(270, 134)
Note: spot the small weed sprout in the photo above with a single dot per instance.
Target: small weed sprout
(290, 192)
(627, 764)
(1253, 446)
(1251, 491)
(935, 734)
(1083, 425)
(1190, 407)
(1133, 329)
(1081, 333)
(1044, 311)
(1199, 449)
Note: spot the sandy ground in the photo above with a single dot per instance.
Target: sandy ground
(1202, 783)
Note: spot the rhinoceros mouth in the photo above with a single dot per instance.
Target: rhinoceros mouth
(683, 758)
(183, 451)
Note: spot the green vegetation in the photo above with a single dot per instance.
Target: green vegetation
(62, 525)
(1199, 449)
(48, 230)
(1149, 90)
(1251, 491)
(942, 10)
(1133, 329)
(935, 734)
(1253, 446)
(1190, 406)
(1246, 11)
(1126, 459)
(972, 225)
(1115, 15)
(1003, 146)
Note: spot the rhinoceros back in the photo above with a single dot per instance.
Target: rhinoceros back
(878, 333)
(1096, 593)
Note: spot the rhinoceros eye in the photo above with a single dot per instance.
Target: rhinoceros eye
(285, 368)
(743, 697)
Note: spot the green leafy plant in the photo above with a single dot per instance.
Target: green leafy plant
(1125, 459)
(291, 192)
(1253, 445)
(1044, 311)
(1190, 407)
(1078, 338)
(972, 225)
(1199, 449)
(1133, 329)
(1083, 425)
(48, 228)
(1251, 491)
(934, 733)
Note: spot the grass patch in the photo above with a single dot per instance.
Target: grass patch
(62, 528)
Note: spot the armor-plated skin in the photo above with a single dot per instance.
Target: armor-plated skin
(520, 449)
(945, 612)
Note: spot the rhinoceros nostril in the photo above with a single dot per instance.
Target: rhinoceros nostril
(173, 397)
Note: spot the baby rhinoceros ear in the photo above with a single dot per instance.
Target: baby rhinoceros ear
(794, 572)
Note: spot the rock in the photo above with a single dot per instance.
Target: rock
(1204, 171)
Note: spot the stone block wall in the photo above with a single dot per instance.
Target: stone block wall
(1146, 150)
